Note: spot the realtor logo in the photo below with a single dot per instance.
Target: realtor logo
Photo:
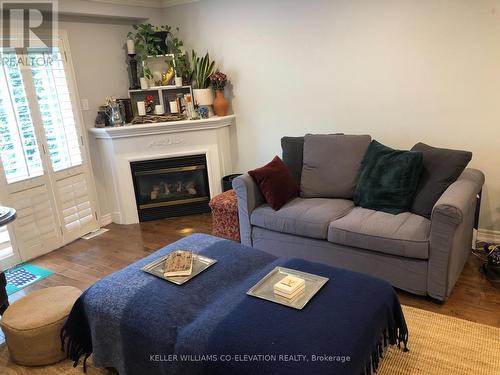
(28, 24)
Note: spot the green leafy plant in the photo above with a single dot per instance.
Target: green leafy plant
(146, 44)
(180, 62)
(146, 40)
(203, 67)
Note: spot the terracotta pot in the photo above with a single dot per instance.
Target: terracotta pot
(221, 105)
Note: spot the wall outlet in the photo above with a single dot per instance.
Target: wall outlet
(85, 104)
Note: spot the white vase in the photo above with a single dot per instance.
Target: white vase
(178, 81)
(204, 96)
(144, 83)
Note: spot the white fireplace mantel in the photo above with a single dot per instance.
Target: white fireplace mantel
(117, 147)
(162, 127)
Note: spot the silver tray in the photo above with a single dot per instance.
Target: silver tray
(265, 287)
(200, 264)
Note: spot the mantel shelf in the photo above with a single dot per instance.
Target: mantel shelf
(129, 130)
(156, 88)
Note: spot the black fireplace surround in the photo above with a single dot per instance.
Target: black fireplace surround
(171, 187)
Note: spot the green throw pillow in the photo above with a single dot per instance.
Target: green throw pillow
(388, 179)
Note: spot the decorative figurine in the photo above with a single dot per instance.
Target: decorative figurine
(167, 76)
(149, 103)
(113, 112)
(203, 111)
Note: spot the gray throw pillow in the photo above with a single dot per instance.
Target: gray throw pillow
(292, 150)
(331, 165)
(442, 167)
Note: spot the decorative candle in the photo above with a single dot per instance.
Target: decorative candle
(130, 47)
(141, 108)
(173, 106)
(159, 109)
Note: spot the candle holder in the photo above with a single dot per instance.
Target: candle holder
(134, 80)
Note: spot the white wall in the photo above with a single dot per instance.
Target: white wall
(403, 71)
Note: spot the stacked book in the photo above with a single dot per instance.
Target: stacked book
(178, 263)
(290, 287)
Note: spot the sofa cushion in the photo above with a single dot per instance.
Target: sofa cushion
(292, 154)
(405, 234)
(302, 217)
(292, 151)
(388, 179)
(331, 165)
(275, 183)
(442, 167)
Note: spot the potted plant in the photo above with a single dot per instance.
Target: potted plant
(180, 62)
(203, 67)
(152, 40)
(219, 81)
(146, 41)
(148, 103)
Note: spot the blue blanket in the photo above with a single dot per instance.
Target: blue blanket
(140, 324)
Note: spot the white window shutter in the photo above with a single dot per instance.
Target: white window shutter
(36, 227)
(47, 176)
(18, 144)
(75, 204)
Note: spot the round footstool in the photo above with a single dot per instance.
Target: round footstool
(32, 325)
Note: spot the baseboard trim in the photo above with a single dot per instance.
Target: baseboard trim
(106, 219)
(488, 235)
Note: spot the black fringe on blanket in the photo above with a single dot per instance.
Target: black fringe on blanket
(396, 333)
(75, 335)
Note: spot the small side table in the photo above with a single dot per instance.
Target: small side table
(7, 215)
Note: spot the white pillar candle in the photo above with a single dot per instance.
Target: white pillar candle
(130, 47)
(141, 108)
(173, 107)
(159, 109)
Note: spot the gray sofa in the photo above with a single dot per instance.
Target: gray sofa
(411, 252)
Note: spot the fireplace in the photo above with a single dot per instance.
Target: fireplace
(171, 187)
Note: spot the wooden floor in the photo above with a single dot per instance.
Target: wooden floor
(83, 262)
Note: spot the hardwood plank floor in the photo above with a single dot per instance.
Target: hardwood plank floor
(83, 262)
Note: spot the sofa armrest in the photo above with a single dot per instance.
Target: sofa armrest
(249, 197)
(452, 224)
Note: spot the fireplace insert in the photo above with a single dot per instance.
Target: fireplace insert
(171, 187)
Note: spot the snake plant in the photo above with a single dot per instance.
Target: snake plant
(202, 69)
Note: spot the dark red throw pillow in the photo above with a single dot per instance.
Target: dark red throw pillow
(275, 183)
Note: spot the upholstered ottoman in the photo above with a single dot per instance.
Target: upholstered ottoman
(32, 325)
(225, 221)
(139, 324)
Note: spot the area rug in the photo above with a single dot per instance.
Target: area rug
(439, 345)
(23, 275)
